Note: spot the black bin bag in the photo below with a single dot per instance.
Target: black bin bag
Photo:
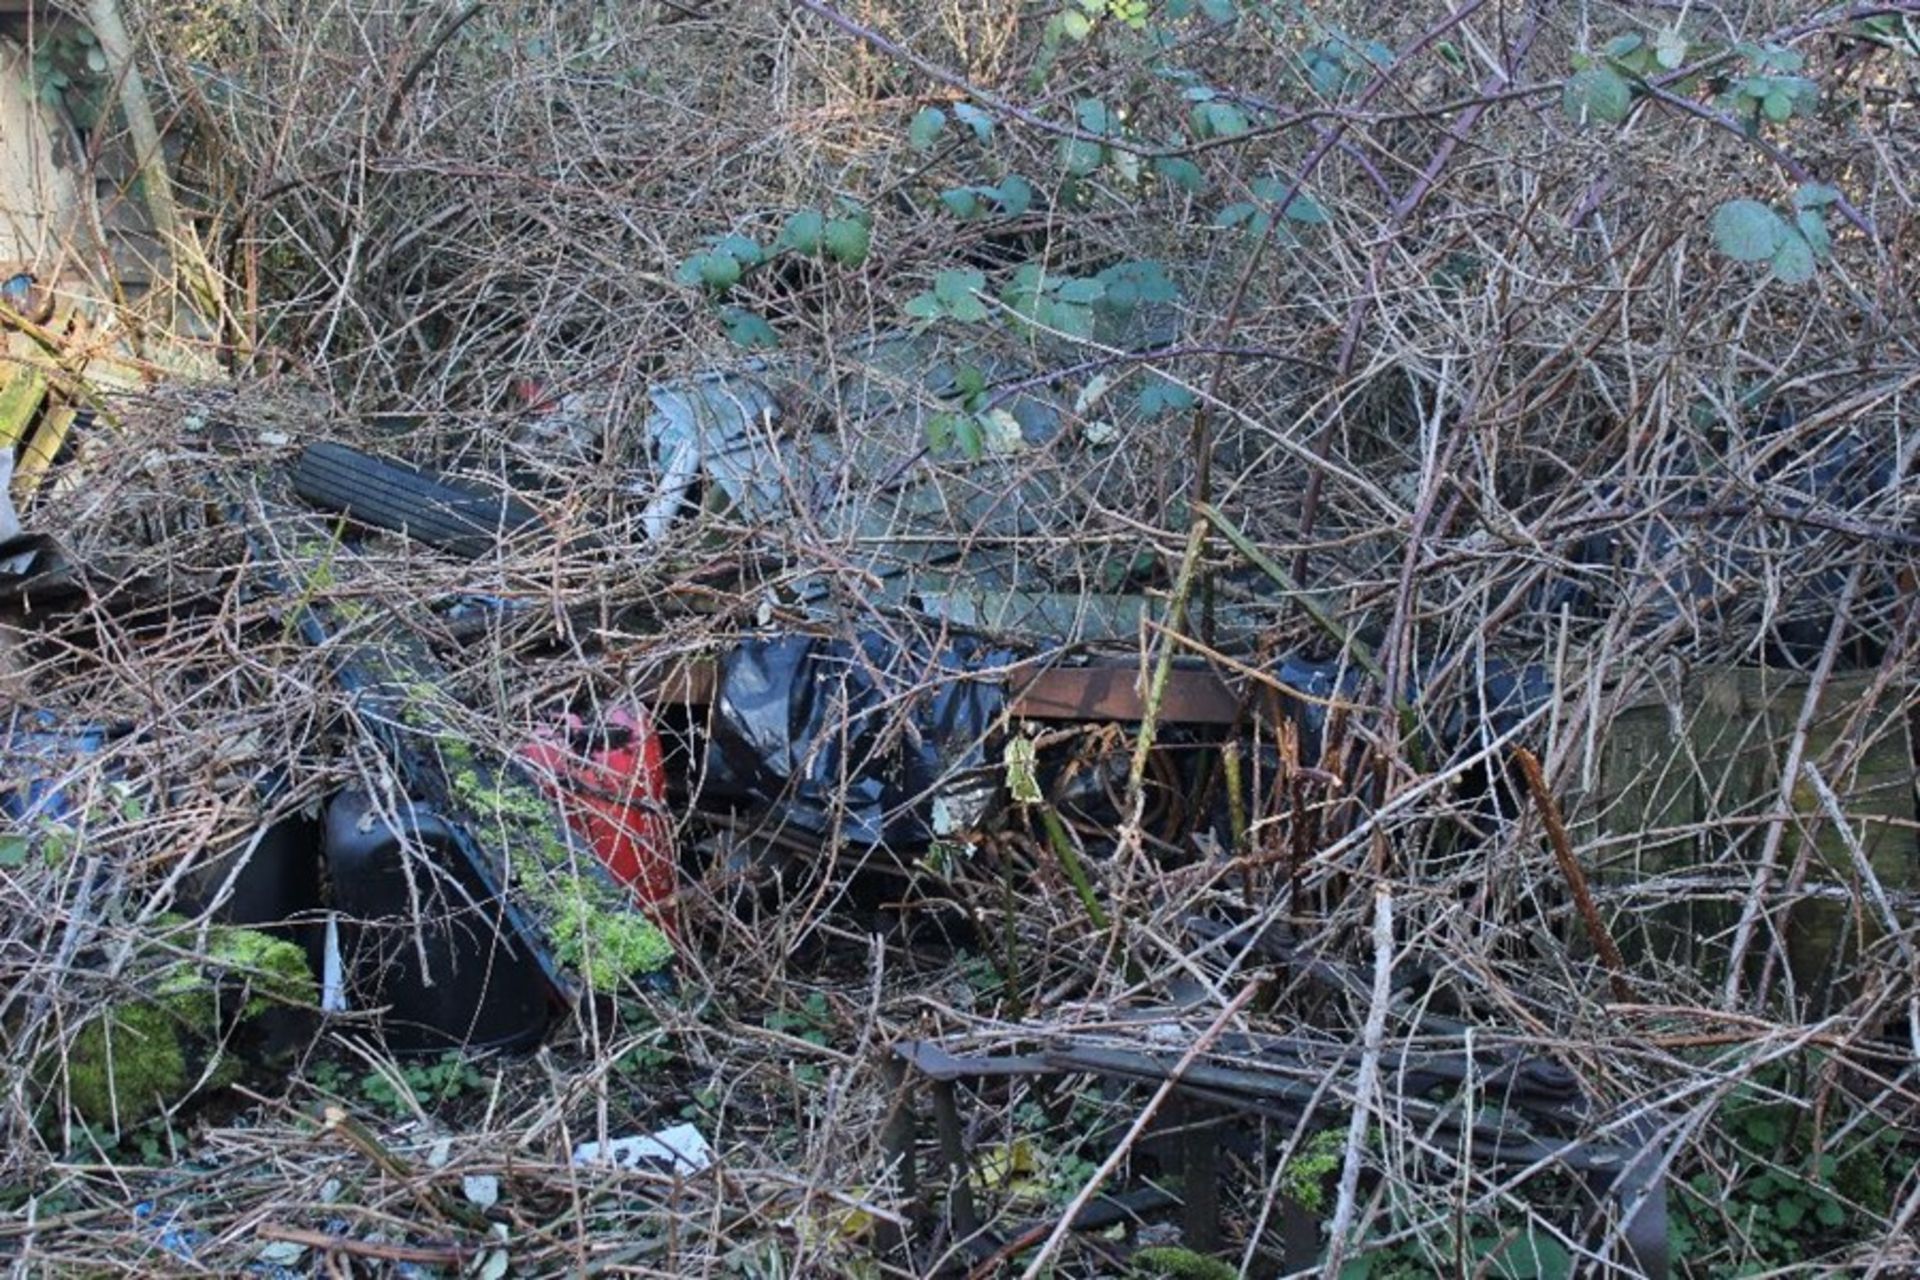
(826, 734)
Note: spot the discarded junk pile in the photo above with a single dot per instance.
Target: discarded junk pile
(549, 872)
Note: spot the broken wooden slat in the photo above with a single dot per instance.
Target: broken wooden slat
(42, 447)
(23, 385)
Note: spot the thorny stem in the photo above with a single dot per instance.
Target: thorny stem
(1576, 878)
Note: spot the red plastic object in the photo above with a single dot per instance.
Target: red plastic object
(609, 781)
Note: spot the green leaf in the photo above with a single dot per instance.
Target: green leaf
(802, 231)
(966, 434)
(1220, 11)
(924, 306)
(1129, 283)
(719, 271)
(1304, 208)
(961, 202)
(1815, 195)
(1235, 214)
(1597, 93)
(742, 249)
(96, 61)
(1073, 320)
(1812, 224)
(1181, 172)
(746, 329)
(949, 285)
(1793, 261)
(1160, 396)
(969, 381)
(847, 241)
(1014, 195)
(1219, 120)
(1777, 105)
(1622, 46)
(1670, 49)
(13, 851)
(925, 129)
(1830, 1212)
(1085, 290)
(1092, 115)
(1748, 231)
(1081, 156)
(975, 119)
(940, 429)
(1075, 25)
(1788, 1211)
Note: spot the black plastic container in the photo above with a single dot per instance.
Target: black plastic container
(476, 988)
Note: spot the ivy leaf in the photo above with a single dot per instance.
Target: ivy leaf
(1830, 1212)
(926, 127)
(924, 306)
(1597, 93)
(1793, 261)
(746, 329)
(847, 241)
(1815, 195)
(1777, 105)
(1181, 172)
(1788, 1211)
(802, 231)
(1748, 231)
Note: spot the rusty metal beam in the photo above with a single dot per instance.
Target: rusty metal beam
(1039, 693)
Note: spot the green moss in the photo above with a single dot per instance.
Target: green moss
(276, 970)
(130, 1054)
(1304, 1178)
(137, 1057)
(1175, 1263)
(589, 921)
(606, 947)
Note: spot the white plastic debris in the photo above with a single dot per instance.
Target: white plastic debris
(680, 1150)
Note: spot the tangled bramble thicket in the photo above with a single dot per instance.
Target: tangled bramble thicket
(1414, 347)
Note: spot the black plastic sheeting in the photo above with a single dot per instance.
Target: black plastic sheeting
(821, 731)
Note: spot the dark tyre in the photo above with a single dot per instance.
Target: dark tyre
(456, 518)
